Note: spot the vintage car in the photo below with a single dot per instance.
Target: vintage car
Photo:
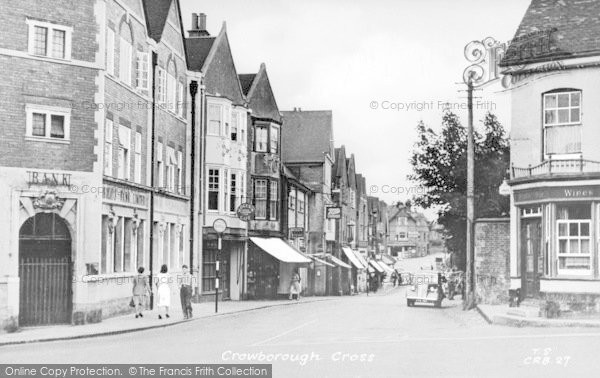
(426, 287)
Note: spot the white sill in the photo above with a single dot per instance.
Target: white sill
(567, 273)
(51, 58)
(47, 139)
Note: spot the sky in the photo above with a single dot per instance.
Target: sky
(380, 66)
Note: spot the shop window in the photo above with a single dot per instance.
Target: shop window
(574, 241)
(140, 244)
(166, 235)
(118, 249)
(128, 245)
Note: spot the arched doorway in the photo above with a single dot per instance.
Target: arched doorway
(44, 271)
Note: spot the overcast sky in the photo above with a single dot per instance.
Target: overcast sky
(350, 56)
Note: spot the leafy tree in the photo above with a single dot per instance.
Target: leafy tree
(439, 163)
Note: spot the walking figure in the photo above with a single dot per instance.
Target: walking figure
(295, 287)
(141, 290)
(163, 291)
(185, 292)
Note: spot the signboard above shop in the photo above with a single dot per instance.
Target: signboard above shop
(124, 196)
(48, 178)
(334, 212)
(557, 193)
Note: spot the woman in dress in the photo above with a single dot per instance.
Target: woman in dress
(141, 289)
(163, 290)
(295, 287)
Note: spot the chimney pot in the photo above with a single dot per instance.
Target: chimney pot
(202, 21)
(194, 21)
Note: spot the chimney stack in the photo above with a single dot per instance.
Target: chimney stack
(198, 26)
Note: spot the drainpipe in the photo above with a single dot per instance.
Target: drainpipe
(202, 170)
(152, 178)
(193, 92)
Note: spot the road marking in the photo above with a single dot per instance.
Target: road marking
(404, 339)
(284, 333)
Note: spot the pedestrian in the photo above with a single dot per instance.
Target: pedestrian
(163, 291)
(185, 292)
(394, 277)
(295, 287)
(141, 291)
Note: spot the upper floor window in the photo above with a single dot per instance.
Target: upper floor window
(108, 142)
(161, 85)
(142, 71)
(273, 197)
(214, 119)
(47, 122)
(260, 138)
(171, 87)
(123, 169)
(274, 139)
(260, 198)
(213, 189)
(49, 40)
(234, 126)
(562, 121)
(180, 98)
(110, 51)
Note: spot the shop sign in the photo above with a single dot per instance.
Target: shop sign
(557, 193)
(245, 211)
(122, 195)
(334, 212)
(296, 232)
(49, 179)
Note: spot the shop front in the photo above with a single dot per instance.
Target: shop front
(231, 267)
(272, 263)
(358, 271)
(555, 253)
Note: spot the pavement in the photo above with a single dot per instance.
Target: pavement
(512, 316)
(128, 323)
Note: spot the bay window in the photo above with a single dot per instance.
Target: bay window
(260, 138)
(260, 198)
(233, 201)
(214, 119)
(574, 240)
(274, 140)
(213, 189)
(234, 126)
(273, 197)
(562, 122)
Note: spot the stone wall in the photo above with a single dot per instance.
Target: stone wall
(492, 260)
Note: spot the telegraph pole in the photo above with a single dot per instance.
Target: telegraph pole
(469, 300)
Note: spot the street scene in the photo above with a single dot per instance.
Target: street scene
(289, 189)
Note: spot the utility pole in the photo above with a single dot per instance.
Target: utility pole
(469, 300)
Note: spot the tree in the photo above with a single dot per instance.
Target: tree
(439, 163)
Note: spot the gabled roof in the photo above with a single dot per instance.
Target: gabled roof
(339, 164)
(259, 93)
(246, 81)
(198, 49)
(156, 13)
(307, 136)
(556, 29)
(221, 78)
(351, 167)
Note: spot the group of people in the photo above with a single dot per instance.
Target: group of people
(142, 290)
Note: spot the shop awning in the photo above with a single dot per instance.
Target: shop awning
(352, 257)
(386, 267)
(376, 266)
(322, 261)
(361, 259)
(281, 250)
(339, 262)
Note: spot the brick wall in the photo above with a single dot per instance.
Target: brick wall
(492, 260)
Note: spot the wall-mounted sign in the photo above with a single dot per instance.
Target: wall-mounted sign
(219, 225)
(334, 212)
(557, 193)
(245, 211)
(46, 178)
(296, 232)
(123, 195)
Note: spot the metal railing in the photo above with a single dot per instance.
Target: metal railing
(550, 167)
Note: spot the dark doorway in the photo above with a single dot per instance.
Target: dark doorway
(45, 271)
(532, 264)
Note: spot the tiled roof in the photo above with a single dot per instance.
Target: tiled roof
(156, 13)
(307, 135)
(556, 29)
(197, 49)
(246, 82)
